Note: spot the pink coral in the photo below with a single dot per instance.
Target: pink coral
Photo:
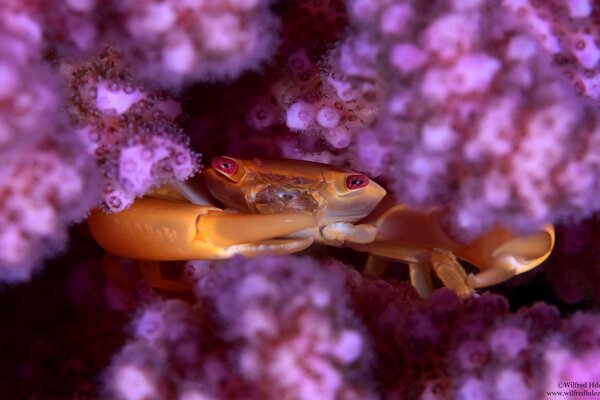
(318, 101)
(168, 43)
(297, 337)
(568, 31)
(443, 348)
(174, 42)
(131, 132)
(45, 183)
(474, 118)
(292, 337)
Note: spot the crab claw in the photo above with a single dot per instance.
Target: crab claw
(513, 257)
(273, 247)
(162, 230)
(224, 230)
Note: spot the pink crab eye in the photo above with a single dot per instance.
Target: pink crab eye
(225, 165)
(356, 181)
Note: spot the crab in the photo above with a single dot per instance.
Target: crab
(281, 206)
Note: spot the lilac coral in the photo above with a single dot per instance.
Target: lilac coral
(45, 183)
(174, 42)
(311, 97)
(443, 347)
(317, 101)
(168, 43)
(130, 131)
(474, 118)
(567, 31)
(293, 336)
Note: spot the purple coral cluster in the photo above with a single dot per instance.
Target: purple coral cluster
(487, 108)
(168, 43)
(445, 348)
(292, 336)
(131, 132)
(293, 327)
(477, 111)
(45, 182)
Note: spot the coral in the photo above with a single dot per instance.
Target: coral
(45, 183)
(43, 187)
(73, 27)
(473, 118)
(568, 32)
(318, 102)
(176, 42)
(311, 96)
(292, 337)
(443, 347)
(249, 116)
(130, 131)
(438, 348)
(168, 43)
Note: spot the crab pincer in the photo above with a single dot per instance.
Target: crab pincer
(158, 229)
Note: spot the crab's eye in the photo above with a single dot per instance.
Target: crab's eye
(225, 165)
(356, 181)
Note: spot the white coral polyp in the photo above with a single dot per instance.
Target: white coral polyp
(224, 34)
(349, 348)
(14, 247)
(140, 164)
(180, 56)
(132, 383)
(407, 57)
(328, 117)
(579, 8)
(439, 137)
(9, 80)
(586, 50)
(117, 98)
(300, 116)
(452, 35)
(158, 17)
(81, 5)
(136, 164)
(474, 73)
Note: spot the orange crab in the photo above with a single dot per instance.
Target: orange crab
(276, 207)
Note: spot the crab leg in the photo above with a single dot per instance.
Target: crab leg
(450, 272)
(420, 278)
(125, 273)
(157, 229)
(375, 265)
(416, 236)
(152, 276)
(514, 256)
